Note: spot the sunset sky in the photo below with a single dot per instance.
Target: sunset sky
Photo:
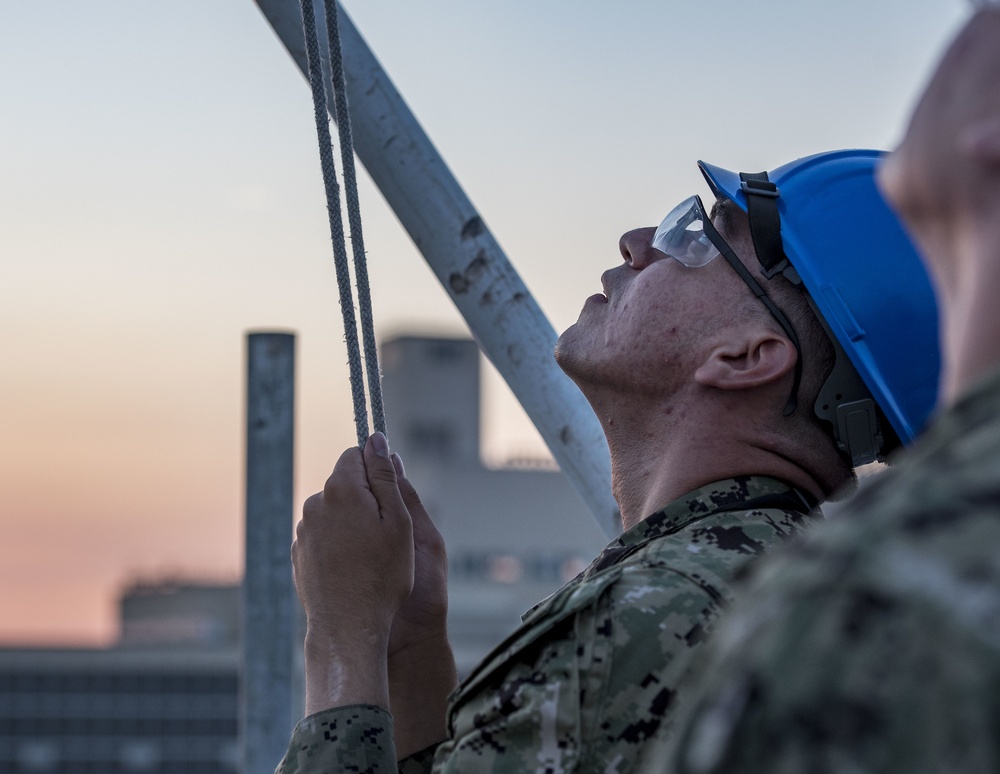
(160, 196)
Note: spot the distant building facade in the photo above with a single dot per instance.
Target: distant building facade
(514, 534)
(165, 698)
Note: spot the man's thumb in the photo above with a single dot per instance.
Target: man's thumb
(380, 471)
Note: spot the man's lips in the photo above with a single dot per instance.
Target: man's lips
(605, 284)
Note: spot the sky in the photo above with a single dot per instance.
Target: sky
(160, 196)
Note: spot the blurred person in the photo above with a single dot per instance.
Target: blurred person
(740, 366)
(873, 645)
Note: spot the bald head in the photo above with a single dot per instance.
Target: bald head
(944, 181)
(948, 162)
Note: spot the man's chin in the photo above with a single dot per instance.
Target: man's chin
(563, 347)
(567, 354)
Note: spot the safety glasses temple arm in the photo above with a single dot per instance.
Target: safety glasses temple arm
(758, 291)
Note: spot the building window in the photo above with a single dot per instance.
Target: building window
(38, 755)
(505, 569)
(431, 438)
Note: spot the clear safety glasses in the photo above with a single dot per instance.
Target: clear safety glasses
(688, 236)
(682, 235)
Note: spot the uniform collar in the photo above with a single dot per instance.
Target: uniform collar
(731, 494)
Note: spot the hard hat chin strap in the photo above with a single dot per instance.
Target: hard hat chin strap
(859, 427)
(844, 401)
(765, 223)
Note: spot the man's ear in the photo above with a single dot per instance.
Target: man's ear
(745, 363)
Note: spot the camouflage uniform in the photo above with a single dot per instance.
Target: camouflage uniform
(874, 645)
(593, 672)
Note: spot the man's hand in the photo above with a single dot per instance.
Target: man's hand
(423, 617)
(353, 566)
(422, 670)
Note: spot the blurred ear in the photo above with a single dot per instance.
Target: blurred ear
(981, 140)
(758, 359)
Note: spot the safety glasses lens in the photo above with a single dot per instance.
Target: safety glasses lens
(682, 235)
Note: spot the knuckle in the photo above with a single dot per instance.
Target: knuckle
(334, 486)
(312, 504)
(409, 493)
(435, 548)
(382, 472)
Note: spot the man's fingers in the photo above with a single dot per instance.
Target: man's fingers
(347, 473)
(352, 559)
(425, 532)
(410, 497)
(397, 464)
(378, 466)
(382, 475)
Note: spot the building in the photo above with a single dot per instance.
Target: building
(514, 534)
(165, 698)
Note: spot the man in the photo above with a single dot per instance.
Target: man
(874, 646)
(729, 412)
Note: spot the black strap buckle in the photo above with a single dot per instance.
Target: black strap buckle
(760, 188)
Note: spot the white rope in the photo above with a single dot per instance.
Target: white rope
(336, 220)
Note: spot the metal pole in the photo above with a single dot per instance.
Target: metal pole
(267, 707)
(508, 324)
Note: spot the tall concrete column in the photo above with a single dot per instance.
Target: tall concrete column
(270, 695)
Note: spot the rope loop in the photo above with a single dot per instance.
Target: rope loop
(335, 65)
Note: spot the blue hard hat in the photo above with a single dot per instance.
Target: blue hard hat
(862, 274)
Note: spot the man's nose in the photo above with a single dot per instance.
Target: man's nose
(636, 247)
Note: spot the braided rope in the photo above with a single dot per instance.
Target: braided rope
(354, 215)
(336, 219)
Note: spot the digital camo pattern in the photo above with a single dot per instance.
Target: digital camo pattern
(356, 738)
(874, 645)
(594, 672)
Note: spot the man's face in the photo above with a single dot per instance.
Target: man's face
(649, 330)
